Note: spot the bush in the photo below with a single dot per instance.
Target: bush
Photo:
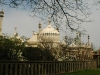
(37, 54)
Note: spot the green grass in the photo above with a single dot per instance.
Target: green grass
(84, 72)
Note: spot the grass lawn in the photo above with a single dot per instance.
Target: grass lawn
(85, 72)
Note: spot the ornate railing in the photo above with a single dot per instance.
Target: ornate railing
(43, 67)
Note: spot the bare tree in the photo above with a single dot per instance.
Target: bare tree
(96, 2)
(66, 13)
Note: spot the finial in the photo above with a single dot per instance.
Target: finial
(88, 37)
(2, 9)
(49, 21)
(66, 37)
(15, 33)
(76, 33)
(39, 25)
(57, 29)
(33, 32)
(15, 29)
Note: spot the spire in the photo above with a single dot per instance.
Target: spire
(49, 21)
(88, 39)
(15, 33)
(39, 26)
(15, 29)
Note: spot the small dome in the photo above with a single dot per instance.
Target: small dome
(49, 34)
(33, 40)
(72, 45)
(34, 33)
(16, 37)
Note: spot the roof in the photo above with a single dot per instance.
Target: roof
(33, 40)
(49, 29)
(72, 45)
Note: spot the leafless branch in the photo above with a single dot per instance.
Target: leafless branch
(62, 12)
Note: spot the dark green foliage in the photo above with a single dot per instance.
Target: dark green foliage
(37, 54)
(9, 48)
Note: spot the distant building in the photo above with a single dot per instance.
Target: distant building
(51, 36)
(46, 35)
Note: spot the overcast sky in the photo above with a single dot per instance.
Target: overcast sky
(26, 24)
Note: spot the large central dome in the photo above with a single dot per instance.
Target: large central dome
(49, 34)
(49, 30)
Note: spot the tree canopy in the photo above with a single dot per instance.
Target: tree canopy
(37, 54)
(14, 49)
(10, 49)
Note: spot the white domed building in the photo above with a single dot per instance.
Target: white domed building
(46, 35)
(49, 34)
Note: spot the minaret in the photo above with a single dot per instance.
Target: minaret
(88, 39)
(1, 18)
(39, 26)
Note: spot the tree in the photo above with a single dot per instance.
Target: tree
(96, 3)
(62, 12)
(15, 49)
(10, 49)
(37, 54)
